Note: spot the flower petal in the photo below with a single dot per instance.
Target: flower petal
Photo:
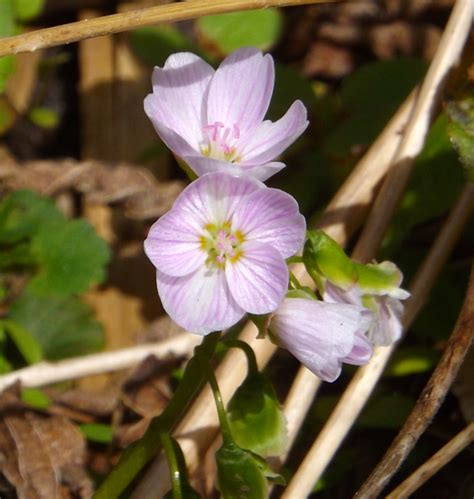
(271, 216)
(321, 335)
(173, 244)
(258, 280)
(202, 165)
(214, 197)
(200, 302)
(178, 97)
(241, 89)
(361, 351)
(387, 327)
(270, 139)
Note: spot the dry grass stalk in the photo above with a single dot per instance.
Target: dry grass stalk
(449, 51)
(434, 464)
(125, 21)
(429, 401)
(365, 379)
(46, 373)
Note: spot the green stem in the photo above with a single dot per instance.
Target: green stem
(294, 280)
(175, 478)
(141, 452)
(221, 412)
(249, 353)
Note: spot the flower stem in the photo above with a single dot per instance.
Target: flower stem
(138, 455)
(249, 353)
(221, 412)
(175, 476)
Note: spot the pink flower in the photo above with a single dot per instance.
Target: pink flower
(213, 120)
(386, 326)
(220, 251)
(322, 335)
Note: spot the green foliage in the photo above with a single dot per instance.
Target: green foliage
(27, 345)
(241, 473)
(228, 32)
(255, 418)
(96, 432)
(461, 130)
(155, 44)
(44, 117)
(369, 98)
(7, 63)
(35, 398)
(411, 360)
(71, 258)
(63, 326)
(25, 10)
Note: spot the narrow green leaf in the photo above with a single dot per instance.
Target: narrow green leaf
(100, 433)
(24, 341)
(44, 117)
(35, 398)
(407, 361)
(228, 32)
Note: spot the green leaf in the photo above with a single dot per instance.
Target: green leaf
(323, 256)
(240, 473)
(44, 117)
(25, 342)
(71, 255)
(370, 96)
(411, 360)
(22, 213)
(228, 32)
(35, 398)
(96, 432)
(255, 418)
(5, 365)
(156, 43)
(63, 326)
(25, 10)
(461, 130)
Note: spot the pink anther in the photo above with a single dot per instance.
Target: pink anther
(214, 128)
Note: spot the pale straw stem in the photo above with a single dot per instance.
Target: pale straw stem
(46, 373)
(125, 21)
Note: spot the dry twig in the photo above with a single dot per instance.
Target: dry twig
(46, 373)
(125, 21)
(434, 464)
(429, 401)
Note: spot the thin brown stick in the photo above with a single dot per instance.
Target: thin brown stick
(116, 23)
(362, 384)
(447, 55)
(434, 464)
(429, 401)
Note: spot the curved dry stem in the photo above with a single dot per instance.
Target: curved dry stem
(125, 21)
(434, 464)
(360, 388)
(429, 401)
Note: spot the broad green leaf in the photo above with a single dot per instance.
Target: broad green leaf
(35, 398)
(255, 417)
(22, 213)
(71, 258)
(228, 32)
(96, 432)
(25, 10)
(25, 342)
(44, 117)
(63, 326)
(240, 473)
(370, 96)
(156, 43)
(461, 130)
(323, 256)
(411, 360)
